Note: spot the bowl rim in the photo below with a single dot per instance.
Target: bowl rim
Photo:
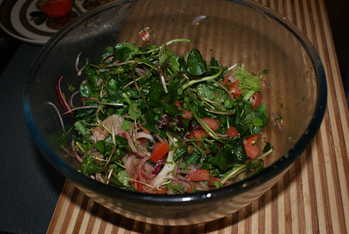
(211, 195)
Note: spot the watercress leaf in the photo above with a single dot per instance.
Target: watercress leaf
(108, 51)
(174, 63)
(133, 111)
(155, 94)
(249, 83)
(170, 109)
(113, 88)
(123, 178)
(121, 142)
(232, 153)
(81, 127)
(85, 90)
(196, 66)
(90, 166)
(262, 109)
(164, 55)
(212, 93)
(125, 51)
(176, 188)
(100, 146)
(229, 103)
(126, 125)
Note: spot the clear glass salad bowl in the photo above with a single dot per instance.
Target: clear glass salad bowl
(233, 32)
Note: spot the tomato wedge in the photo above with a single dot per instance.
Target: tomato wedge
(250, 147)
(234, 89)
(197, 134)
(212, 123)
(56, 8)
(187, 114)
(232, 132)
(178, 104)
(212, 181)
(160, 150)
(198, 175)
(256, 100)
(226, 80)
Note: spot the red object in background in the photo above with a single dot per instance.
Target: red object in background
(56, 8)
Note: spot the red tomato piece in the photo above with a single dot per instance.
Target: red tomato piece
(232, 132)
(226, 80)
(160, 150)
(187, 114)
(212, 123)
(212, 180)
(178, 104)
(197, 134)
(256, 100)
(198, 175)
(234, 89)
(56, 8)
(250, 147)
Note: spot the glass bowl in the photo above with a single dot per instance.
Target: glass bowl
(233, 32)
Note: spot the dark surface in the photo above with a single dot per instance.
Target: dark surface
(339, 18)
(8, 46)
(29, 186)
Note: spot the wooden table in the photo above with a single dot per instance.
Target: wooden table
(313, 197)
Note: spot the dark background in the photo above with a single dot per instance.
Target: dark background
(33, 186)
(338, 13)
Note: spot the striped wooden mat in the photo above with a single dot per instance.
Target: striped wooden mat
(313, 197)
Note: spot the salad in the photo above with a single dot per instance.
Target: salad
(149, 120)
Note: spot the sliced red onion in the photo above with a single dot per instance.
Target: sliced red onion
(158, 166)
(131, 162)
(139, 71)
(166, 172)
(58, 114)
(72, 98)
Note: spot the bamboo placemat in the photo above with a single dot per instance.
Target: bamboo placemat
(313, 197)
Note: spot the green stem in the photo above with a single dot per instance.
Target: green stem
(167, 44)
(209, 131)
(235, 172)
(177, 40)
(207, 78)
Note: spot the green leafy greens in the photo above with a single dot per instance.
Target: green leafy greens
(139, 97)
